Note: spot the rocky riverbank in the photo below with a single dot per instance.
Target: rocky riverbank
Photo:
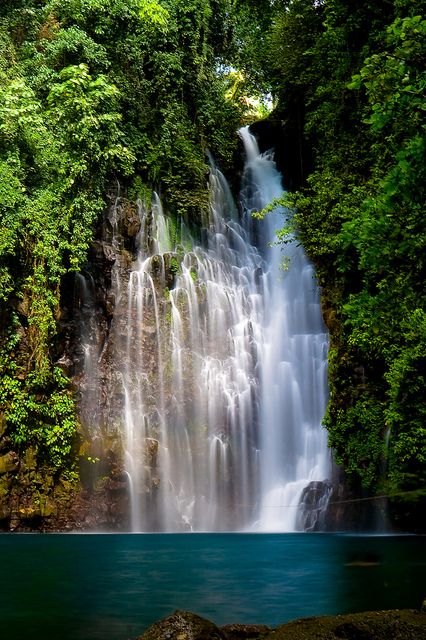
(404, 624)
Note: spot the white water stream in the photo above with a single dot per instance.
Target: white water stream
(223, 368)
(293, 377)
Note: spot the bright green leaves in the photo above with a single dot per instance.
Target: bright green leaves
(20, 110)
(73, 45)
(23, 131)
(154, 14)
(49, 171)
(388, 233)
(101, 18)
(56, 157)
(39, 411)
(11, 196)
(85, 111)
(406, 413)
(395, 81)
(92, 91)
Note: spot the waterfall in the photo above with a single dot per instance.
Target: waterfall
(219, 363)
(293, 356)
(89, 338)
(190, 378)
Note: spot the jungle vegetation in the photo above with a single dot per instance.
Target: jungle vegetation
(350, 76)
(93, 91)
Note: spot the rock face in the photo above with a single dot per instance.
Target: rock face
(100, 317)
(349, 507)
(33, 495)
(405, 624)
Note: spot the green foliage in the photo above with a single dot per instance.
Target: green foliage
(37, 406)
(406, 413)
(83, 110)
(359, 441)
(92, 91)
(354, 77)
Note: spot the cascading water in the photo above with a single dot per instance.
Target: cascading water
(89, 339)
(189, 376)
(221, 358)
(293, 446)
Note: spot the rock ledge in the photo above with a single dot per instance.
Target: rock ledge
(398, 624)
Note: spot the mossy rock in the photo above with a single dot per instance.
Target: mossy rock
(3, 424)
(30, 458)
(9, 462)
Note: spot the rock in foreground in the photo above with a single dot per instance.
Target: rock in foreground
(404, 624)
(182, 625)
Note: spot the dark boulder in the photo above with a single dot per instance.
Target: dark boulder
(313, 505)
(183, 625)
(244, 631)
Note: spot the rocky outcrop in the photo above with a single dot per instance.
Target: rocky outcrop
(313, 506)
(407, 624)
(91, 494)
(183, 625)
(244, 631)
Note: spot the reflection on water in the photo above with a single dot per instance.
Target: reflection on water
(111, 587)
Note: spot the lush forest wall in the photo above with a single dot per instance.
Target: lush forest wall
(91, 92)
(134, 91)
(349, 78)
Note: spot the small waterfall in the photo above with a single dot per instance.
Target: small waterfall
(89, 339)
(219, 360)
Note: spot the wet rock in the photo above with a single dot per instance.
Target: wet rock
(14, 521)
(3, 424)
(5, 512)
(313, 504)
(172, 266)
(244, 631)
(30, 459)
(103, 251)
(132, 226)
(183, 625)
(110, 304)
(66, 363)
(351, 631)
(151, 451)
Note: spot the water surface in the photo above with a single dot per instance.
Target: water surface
(111, 587)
